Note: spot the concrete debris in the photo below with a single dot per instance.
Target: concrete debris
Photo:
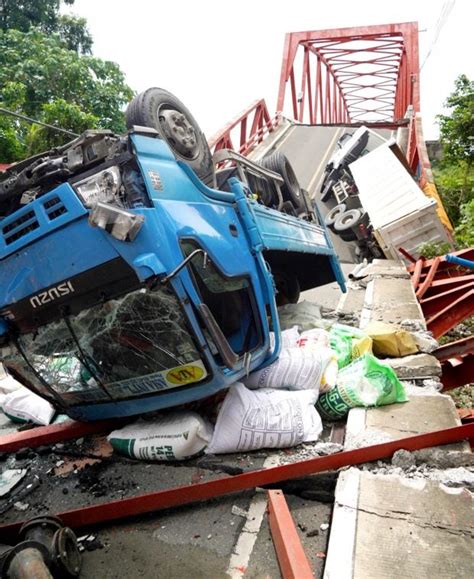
(366, 438)
(324, 527)
(425, 341)
(415, 366)
(9, 479)
(441, 458)
(429, 387)
(19, 506)
(239, 512)
(414, 325)
(307, 451)
(403, 459)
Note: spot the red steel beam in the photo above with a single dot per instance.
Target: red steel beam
(445, 285)
(187, 494)
(439, 302)
(415, 279)
(290, 553)
(44, 435)
(424, 286)
(455, 349)
(457, 375)
(451, 315)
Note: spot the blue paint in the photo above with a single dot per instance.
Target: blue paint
(49, 248)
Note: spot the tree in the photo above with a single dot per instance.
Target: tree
(457, 129)
(47, 76)
(23, 15)
(454, 174)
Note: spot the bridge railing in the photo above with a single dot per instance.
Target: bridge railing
(246, 130)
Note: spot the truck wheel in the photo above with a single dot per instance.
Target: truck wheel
(161, 110)
(329, 180)
(345, 223)
(290, 190)
(335, 212)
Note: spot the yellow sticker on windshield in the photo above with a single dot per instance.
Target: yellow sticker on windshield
(185, 374)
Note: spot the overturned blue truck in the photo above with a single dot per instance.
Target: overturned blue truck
(134, 276)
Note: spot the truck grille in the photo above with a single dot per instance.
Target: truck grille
(29, 221)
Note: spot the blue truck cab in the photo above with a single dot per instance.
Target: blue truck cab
(128, 284)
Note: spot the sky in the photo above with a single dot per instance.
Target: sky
(218, 57)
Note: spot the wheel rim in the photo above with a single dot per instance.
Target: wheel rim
(179, 132)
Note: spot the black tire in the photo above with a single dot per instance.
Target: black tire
(348, 235)
(290, 190)
(347, 221)
(335, 212)
(161, 110)
(329, 180)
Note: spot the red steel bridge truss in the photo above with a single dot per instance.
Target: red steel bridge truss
(346, 76)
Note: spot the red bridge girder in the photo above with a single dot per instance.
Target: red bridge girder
(350, 75)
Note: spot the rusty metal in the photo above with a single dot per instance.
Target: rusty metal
(466, 253)
(455, 349)
(453, 314)
(415, 279)
(423, 287)
(187, 494)
(457, 372)
(444, 290)
(457, 363)
(290, 553)
(407, 255)
(44, 435)
(28, 564)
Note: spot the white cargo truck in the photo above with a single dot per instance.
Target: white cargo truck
(400, 214)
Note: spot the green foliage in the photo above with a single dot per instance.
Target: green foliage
(52, 77)
(62, 114)
(457, 128)
(74, 34)
(430, 249)
(455, 184)
(454, 175)
(464, 231)
(23, 15)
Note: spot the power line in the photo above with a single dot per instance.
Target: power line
(443, 18)
(30, 120)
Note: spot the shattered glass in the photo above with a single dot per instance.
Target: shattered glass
(139, 335)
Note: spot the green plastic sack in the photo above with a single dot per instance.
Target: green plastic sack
(349, 343)
(365, 382)
(342, 345)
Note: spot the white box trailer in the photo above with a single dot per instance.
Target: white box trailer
(400, 213)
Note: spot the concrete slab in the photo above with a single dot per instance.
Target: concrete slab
(390, 526)
(419, 415)
(391, 300)
(417, 366)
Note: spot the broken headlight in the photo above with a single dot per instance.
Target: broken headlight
(103, 187)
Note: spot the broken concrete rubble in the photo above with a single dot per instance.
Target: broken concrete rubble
(416, 366)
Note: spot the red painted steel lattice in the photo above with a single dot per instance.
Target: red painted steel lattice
(351, 75)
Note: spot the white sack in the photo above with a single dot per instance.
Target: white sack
(289, 338)
(254, 419)
(305, 315)
(26, 406)
(175, 436)
(314, 339)
(295, 369)
(9, 384)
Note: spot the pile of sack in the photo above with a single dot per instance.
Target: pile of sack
(324, 369)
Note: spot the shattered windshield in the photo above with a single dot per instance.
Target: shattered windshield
(126, 347)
